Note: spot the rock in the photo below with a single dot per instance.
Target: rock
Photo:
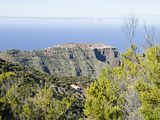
(68, 59)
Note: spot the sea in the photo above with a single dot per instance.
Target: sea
(41, 36)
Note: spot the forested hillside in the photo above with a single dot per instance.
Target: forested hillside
(85, 60)
(130, 91)
(26, 93)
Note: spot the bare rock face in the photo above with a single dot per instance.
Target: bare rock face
(68, 59)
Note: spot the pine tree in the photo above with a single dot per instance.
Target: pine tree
(103, 99)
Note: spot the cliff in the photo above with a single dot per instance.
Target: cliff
(68, 59)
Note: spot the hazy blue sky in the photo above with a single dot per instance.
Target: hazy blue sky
(78, 8)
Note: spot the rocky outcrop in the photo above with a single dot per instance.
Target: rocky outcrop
(68, 59)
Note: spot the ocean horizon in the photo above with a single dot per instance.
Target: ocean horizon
(40, 36)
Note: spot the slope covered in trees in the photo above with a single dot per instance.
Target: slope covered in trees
(85, 60)
(26, 93)
(128, 92)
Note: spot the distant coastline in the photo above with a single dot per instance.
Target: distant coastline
(117, 20)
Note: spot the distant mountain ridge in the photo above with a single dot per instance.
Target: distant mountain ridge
(87, 45)
(67, 59)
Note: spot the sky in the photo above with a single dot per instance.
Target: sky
(78, 8)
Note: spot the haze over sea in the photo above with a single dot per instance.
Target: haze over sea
(34, 33)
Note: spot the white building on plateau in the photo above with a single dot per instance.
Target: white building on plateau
(77, 87)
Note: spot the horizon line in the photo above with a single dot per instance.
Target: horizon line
(76, 17)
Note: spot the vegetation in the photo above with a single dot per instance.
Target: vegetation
(137, 83)
(131, 91)
(26, 93)
(104, 99)
(58, 83)
(75, 61)
(148, 84)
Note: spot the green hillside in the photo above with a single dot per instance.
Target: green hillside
(130, 91)
(26, 93)
(85, 60)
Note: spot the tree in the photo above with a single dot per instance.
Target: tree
(132, 90)
(149, 36)
(44, 106)
(148, 84)
(103, 98)
(129, 28)
(6, 75)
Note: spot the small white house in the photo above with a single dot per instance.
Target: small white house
(77, 87)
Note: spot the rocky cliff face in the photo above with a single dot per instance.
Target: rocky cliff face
(68, 59)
